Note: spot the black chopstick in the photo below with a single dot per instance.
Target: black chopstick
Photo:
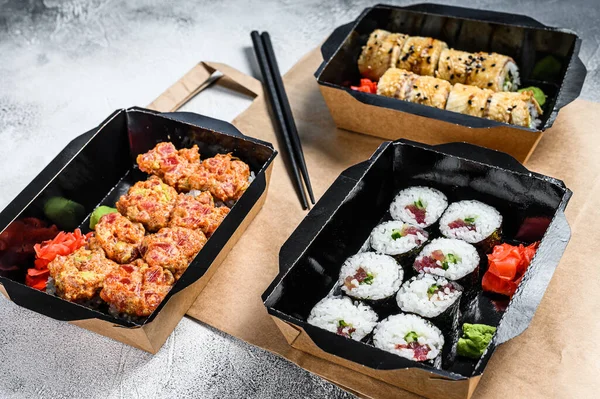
(269, 83)
(287, 112)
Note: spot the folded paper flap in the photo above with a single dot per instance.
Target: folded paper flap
(199, 78)
(573, 82)
(530, 292)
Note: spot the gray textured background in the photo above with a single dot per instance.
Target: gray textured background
(64, 67)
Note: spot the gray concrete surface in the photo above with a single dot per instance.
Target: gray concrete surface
(64, 66)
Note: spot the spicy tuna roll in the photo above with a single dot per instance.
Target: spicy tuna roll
(419, 206)
(447, 257)
(409, 336)
(342, 316)
(370, 276)
(397, 239)
(473, 222)
(428, 295)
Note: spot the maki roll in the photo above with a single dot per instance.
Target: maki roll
(396, 83)
(473, 222)
(380, 53)
(447, 257)
(342, 316)
(469, 100)
(428, 296)
(370, 276)
(454, 66)
(397, 239)
(419, 206)
(521, 109)
(421, 55)
(409, 336)
(494, 71)
(429, 91)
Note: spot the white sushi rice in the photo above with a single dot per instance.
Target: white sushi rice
(329, 312)
(385, 276)
(383, 242)
(510, 84)
(465, 254)
(434, 202)
(414, 297)
(392, 331)
(486, 220)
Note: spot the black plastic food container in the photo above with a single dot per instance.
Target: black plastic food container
(99, 166)
(532, 206)
(526, 40)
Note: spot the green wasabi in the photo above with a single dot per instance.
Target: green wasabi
(538, 94)
(63, 212)
(98, 213)
(475, 339)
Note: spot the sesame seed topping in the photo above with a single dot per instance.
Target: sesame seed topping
(415, 87)
(481, 109)
(483, 70)
(452, 76)
(449, 67)
(418, 94)
(436, 86)
(490, 84)
(470, 102)
(493, 65)
(448, 57)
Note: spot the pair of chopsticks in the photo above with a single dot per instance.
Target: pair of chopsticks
(283, 112)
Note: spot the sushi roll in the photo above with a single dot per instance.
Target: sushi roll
(521, 109)
(428, 296)
(343, 317)
(447, 257)
(396, 83)
(454, 66)
(494, 71)
(421, 55)
(473, 222)
(419, 206)
(429, 91)
(397, 239)
(370, 276)
(469, 100)
(380, 53)
(409, 336)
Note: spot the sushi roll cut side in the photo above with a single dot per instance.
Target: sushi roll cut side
(449, 258)
(494, 71)
(380, 53)
(471, 221)
(409, 336)
(397, 238)
(469, 100)
(428, 295)
(419, 206)
(343, 317)
(521, 109)
(370, 276)
(421, 55)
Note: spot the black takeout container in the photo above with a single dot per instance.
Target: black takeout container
(532, 206)
(523, 38)
(99, 166)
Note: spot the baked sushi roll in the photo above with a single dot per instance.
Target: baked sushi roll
(419, 206)
(343, 317)
(396, 83)
(398, 239)
(409, 336)
(429, 91)
(447, 257)
(454, 66)
(469, 100)
(521, 109)
(421, 55)
(431, 297)
(493, 71)
(473, 222)
(380, 53)
(370, 276)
